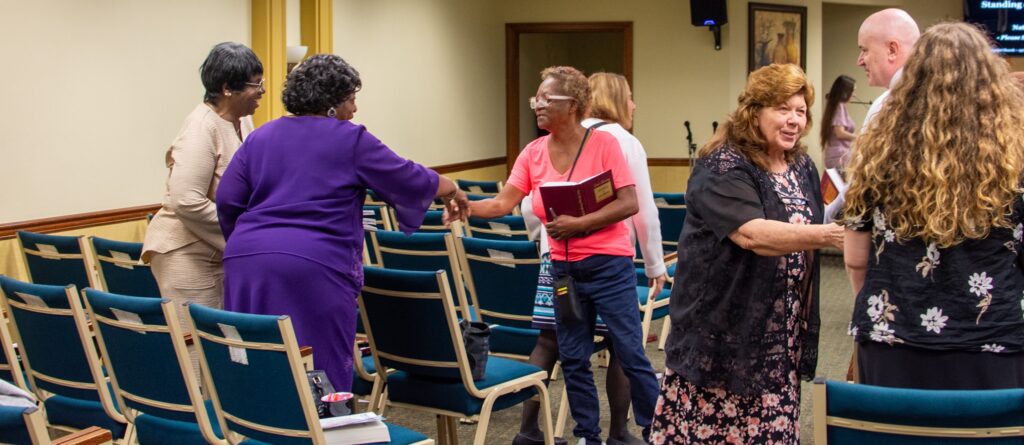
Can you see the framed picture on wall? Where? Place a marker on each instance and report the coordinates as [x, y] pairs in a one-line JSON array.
[[776, 34]]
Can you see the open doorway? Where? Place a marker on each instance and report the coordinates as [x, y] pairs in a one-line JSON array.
[[530, 47]]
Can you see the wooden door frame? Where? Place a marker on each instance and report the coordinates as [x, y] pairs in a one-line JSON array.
[[512, 33]]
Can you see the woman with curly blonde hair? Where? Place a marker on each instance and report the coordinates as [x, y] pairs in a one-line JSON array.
[[934, 211]]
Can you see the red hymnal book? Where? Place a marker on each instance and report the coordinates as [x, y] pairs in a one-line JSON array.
[[578, 198]]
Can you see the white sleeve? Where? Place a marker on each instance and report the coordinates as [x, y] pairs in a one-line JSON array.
[[645, 223]]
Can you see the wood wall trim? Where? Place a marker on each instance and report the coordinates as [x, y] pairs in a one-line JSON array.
[[103, 217], [469, 165], [668, 162], [68, 222]]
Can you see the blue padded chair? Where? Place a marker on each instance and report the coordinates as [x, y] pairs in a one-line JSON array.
[[433, 221], [425, 252], [505, 228], [847, 413], [501, 277], [670, 198], [375, 217], [372, 198], [671, 217], [257, 383], [120, 269], [54, 259], [23, 426], [146, 355], [60, 358], [413, 330], [480, 187]]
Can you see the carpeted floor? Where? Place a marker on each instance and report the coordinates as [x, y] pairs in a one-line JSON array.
[[834, 355]]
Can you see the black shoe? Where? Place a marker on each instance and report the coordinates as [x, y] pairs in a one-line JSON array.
[[628, 440], [522, 439]]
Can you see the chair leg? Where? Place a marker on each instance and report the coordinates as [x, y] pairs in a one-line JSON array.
[[453, 430], [563, 413], [129, 435], [442, 430], [545, 413], [382, 402], [665, 326], [485, 417], [554, 371]]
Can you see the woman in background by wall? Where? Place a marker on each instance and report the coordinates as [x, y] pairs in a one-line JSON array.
[[184, 243], [837, 130]]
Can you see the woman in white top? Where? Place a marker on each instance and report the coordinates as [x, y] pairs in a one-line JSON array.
[[611, 101]]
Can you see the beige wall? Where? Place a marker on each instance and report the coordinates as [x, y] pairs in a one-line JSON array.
[[93, 92]]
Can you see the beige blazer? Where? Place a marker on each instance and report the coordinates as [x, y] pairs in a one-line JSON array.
[[195, 161]]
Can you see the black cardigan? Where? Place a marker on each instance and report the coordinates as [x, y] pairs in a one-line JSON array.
[[723, 294]]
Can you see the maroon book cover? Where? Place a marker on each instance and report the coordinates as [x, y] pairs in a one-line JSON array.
[[578, 198]]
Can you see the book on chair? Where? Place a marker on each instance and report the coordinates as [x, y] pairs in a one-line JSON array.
[[355, 429], [578, 198]]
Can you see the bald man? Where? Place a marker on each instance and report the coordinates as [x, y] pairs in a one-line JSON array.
[[886, 39]]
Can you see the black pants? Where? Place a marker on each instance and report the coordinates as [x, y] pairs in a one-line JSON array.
[[910, 367]]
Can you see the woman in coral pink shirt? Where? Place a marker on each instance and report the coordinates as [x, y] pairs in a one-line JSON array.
[[599, 257]]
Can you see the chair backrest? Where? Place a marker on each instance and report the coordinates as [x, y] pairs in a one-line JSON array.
[[143, 347], [120, 269], [58, 353], [372, 198], [425, 252], [671, 217], [432, 345], [54, 259], [502, 279], [375, 217], [257, 383], [480, 187], [668, 199], [506, 228], [846, 413]]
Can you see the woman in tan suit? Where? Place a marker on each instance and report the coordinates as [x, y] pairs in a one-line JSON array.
[[184, 242]]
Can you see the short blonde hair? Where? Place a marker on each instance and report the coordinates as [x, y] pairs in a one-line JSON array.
[[608, 98], [767, 87], [572, 83]]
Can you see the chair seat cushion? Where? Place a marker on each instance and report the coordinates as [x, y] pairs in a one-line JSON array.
[[360, 386], [81, 414], [12, 425], [659, 313], [451, 395], [162, 431], [399, 436], [510, 340]]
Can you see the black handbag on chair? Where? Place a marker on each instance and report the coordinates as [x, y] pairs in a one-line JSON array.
[[321, 386], [477, 338]]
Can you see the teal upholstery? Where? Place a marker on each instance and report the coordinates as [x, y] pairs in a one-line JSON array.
[[479, 187], [920, 408], [135, 279], [144, 364], [399, 436], [45, 323], [360, 386], [430, 253], [373, 198], [408, 316], [484, 228], [266, 390], [671, 219], [13, 429], [433, 222], [450, 394], [53, 270]]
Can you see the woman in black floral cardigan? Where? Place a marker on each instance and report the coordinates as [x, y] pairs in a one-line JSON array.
[[935, 217], [744, 308]]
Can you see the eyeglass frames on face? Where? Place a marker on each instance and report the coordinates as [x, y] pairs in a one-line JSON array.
[[538, 102], [257, 85]]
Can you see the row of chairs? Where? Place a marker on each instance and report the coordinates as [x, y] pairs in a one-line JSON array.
[[87, 261], [122, 363]]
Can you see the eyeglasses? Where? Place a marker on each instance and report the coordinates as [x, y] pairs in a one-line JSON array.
[[257, 85], [538, 102]]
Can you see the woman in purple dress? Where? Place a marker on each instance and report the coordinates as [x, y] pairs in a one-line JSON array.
[[290, 207]]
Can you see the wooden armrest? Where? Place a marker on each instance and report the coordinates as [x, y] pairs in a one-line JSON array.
[[93, 435], [305, 351], [671, 257]]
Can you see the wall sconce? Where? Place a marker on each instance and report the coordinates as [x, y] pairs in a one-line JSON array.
[[295, 54]]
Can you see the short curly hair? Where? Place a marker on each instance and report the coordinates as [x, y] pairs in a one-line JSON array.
[[231, 64], [572, 83], [321, 82]]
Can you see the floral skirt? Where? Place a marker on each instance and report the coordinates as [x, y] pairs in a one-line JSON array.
[[689, 414]]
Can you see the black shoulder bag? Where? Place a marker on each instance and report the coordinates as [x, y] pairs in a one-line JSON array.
[[570, 310]]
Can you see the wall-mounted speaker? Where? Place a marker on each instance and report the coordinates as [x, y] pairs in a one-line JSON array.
[[708, 13]]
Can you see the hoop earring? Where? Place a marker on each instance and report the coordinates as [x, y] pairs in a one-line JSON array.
[[331, 112]]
